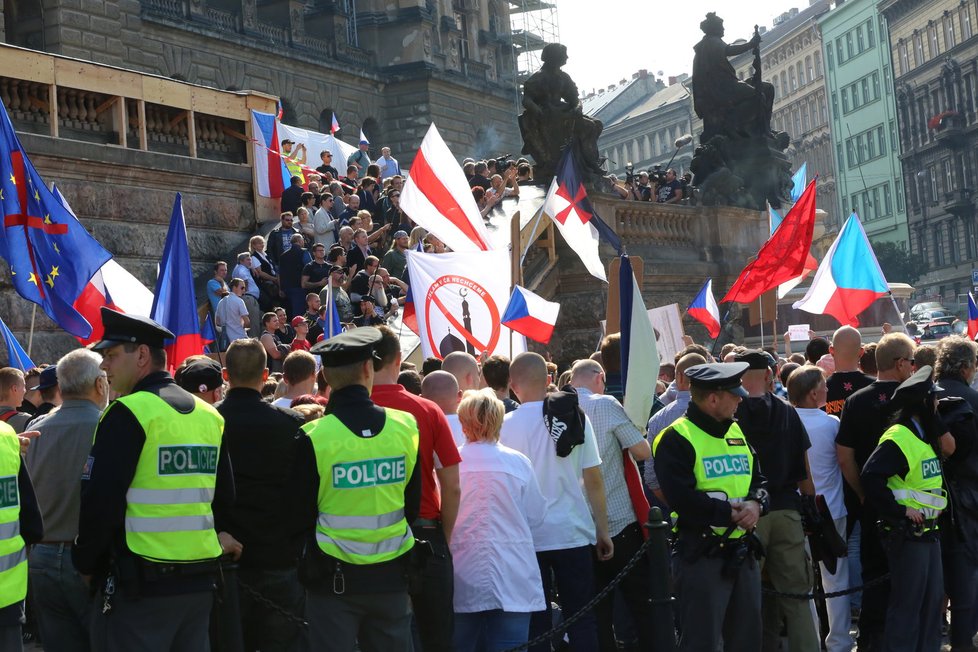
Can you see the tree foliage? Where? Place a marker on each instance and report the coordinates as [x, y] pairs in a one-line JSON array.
[[898, 264]]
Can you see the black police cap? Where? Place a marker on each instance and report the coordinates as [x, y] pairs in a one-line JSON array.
[[121, 328], [756, 359], [914, 389], [348, 347], [719, 376], [200, 375]]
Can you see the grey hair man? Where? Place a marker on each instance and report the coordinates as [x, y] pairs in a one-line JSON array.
[[55, 461]]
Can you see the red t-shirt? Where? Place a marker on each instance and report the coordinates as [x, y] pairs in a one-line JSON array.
[[435, 439], [300, 344]]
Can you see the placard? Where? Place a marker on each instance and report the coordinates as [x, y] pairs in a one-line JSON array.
[[798, 332]]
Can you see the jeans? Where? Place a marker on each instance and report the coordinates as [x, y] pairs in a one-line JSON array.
[[60, 597], [490, 631], [573, 571], [839, 614], [262, 628]]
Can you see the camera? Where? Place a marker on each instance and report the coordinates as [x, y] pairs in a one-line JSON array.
[[656, 175], [503, 163]]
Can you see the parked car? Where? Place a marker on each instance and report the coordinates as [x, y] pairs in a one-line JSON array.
[[919, 308], [936, 315], [935, 330]]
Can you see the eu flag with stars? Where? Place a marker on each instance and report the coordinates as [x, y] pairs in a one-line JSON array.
[[51, 255]]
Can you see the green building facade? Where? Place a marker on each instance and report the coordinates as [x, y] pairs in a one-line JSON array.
[[863, 119]]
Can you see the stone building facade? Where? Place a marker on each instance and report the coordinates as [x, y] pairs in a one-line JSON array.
[[935, 65], [390, 68], [859, 79], [791, 60]]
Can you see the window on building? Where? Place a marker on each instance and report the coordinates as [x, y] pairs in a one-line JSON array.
[[810, 71], [845, 100], [777, 86], [860, 40], [801, 75], [784, 83], [898, 191], [964, 14], [850, 47], [796, 116], [822, 119], [948, 170], [867, 97], [918, 49], [792, 81], [841, 56], [949, 41], [875, 81], [904, 54], [887, 207], [887, 83], [842, 163], [932, 42], [835, 106], [805, 122], [352, 34], [828, 57], [870, 34], [818, 65], [851, 157], [881, 140]]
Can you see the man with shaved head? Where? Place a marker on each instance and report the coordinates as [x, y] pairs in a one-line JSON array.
[[465, 369], [441, 388], [569, 474], [847, 379], [615, 433]]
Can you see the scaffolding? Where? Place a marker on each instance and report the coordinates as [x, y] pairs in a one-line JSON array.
[[533, 24]]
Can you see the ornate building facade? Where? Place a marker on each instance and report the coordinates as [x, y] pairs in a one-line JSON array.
[[935, 64], [791, 60], [389, 68]]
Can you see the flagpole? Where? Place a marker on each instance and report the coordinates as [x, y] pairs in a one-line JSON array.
[[30, 336], [896, 308], [760, 314]]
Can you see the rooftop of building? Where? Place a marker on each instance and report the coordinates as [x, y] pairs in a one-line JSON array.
[[668, 95]]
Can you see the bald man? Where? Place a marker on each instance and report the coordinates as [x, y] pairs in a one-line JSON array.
[[441, 388], [847, 379], [615, 433], [563, 541], [465, 368]]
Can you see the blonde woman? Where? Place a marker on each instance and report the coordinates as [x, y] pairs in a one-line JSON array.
[[497, 579], [418, 234]]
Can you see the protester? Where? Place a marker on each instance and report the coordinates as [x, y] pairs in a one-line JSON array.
[[60, 596], [299, 375], [495, 371], [232, 314], [47, 386], [216, 287], [12, 391], [442, 389], [202, 377], [497, 579]]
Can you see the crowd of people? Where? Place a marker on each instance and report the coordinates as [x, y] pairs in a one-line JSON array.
[[455, 506], [658, 186]]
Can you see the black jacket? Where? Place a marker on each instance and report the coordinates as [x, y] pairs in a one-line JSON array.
[[261, 441]]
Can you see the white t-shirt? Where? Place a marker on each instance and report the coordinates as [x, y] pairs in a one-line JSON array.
[[230, 310], [568, 523], [822, 459], [456, 427], [492, 543]]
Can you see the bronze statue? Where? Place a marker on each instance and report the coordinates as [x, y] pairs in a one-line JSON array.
[[553, 119], [740, 161]]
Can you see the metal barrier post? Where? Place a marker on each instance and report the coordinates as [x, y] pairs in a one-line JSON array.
[[660, 584]]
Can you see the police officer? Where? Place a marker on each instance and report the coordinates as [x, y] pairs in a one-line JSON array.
[[153, 488], [363, 491], [20, 526], [904, 484], [709, 477]]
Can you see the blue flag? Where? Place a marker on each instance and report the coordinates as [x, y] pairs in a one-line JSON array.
[[174, 301], [16, 355], [800, 181], [774, 217], [51, 255]]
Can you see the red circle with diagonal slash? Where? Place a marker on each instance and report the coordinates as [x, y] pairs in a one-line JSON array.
[[477, 292]]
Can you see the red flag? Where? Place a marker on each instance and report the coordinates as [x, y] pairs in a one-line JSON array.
[[783, 256]]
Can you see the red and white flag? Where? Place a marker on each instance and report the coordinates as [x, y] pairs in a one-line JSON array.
[[437, 197]]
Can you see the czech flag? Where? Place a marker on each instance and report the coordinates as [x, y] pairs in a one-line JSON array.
[[972, 317], [704, 309], [531, 315], [849, 279], [335, 125], [175, 304], [270, 171]]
